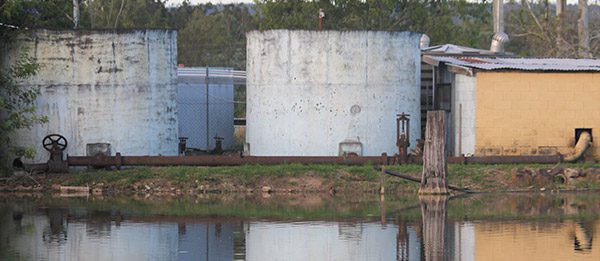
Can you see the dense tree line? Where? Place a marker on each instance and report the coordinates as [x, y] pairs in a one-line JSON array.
[[214, 35]]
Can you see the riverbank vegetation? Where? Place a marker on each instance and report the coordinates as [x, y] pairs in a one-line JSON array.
[[300, 178]]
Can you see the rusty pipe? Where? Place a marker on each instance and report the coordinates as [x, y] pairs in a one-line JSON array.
[[119, 160]]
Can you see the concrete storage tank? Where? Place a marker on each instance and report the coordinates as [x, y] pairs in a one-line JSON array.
[[326, 93], [116, 87]]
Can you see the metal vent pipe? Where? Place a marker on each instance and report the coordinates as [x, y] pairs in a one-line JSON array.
[[498, 41], [424, 42], [498, 13]]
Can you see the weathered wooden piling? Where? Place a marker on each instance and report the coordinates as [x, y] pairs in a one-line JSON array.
[[435, 167]]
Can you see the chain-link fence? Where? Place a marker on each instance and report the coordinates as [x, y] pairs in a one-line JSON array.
[[206, 104]]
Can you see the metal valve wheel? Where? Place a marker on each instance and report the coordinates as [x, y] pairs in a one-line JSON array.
[[54, 142]]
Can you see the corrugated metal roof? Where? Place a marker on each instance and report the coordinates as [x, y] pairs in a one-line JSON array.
[[450, 49], [525, 64]]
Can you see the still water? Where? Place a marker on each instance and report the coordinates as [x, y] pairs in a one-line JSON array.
[[302, 227]]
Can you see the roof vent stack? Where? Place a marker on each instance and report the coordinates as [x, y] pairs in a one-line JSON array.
[[498, 41], [498, 15], [424, 42]]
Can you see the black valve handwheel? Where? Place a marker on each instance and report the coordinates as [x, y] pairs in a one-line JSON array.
[[54, 141]]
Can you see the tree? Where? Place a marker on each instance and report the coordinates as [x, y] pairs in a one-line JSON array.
[[126, 13], [534, 29], [216, 36], [17, 102], [35, 14]]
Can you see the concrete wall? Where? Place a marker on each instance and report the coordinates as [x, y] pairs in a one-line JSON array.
[[105, 86], [463, 114], [528, 113], [307, 91]]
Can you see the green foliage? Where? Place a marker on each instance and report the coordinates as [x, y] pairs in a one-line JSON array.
[[216, 38], [125, 14], [458, 22], [36, 14], [17, 102]]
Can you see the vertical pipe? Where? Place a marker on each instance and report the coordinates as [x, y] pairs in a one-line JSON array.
[[398, 135], [498, 16], [433, 78], [207, 115], [407, 133], [460, 124]]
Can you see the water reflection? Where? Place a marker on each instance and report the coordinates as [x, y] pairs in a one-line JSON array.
[[521, 227]]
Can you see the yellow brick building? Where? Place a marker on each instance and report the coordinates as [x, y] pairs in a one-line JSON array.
[[520, 106]]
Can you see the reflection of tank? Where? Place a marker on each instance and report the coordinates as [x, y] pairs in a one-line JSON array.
[[129, 241], [320, 241]]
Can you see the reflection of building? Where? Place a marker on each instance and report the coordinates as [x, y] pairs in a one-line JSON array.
[[53, 236], [536, 241], [408, 242], [205, 242]]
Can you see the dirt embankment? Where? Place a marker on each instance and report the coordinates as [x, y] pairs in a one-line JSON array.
[[163, 181]]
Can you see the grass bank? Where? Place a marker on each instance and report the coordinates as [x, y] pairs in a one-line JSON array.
[[296, 178]]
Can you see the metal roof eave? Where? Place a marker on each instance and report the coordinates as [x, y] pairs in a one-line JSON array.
[[461, 70], [430, 60]]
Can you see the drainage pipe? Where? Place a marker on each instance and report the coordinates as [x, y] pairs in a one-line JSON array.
[[583, 144]]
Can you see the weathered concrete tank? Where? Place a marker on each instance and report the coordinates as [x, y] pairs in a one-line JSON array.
[[327, 93], [116, 87]]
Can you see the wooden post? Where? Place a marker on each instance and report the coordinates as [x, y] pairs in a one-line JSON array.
[[382, 181], [434, 179], [384, 162], [434, 213]]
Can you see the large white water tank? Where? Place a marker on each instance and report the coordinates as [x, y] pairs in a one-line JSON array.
[[323, 93], [116, 87]]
